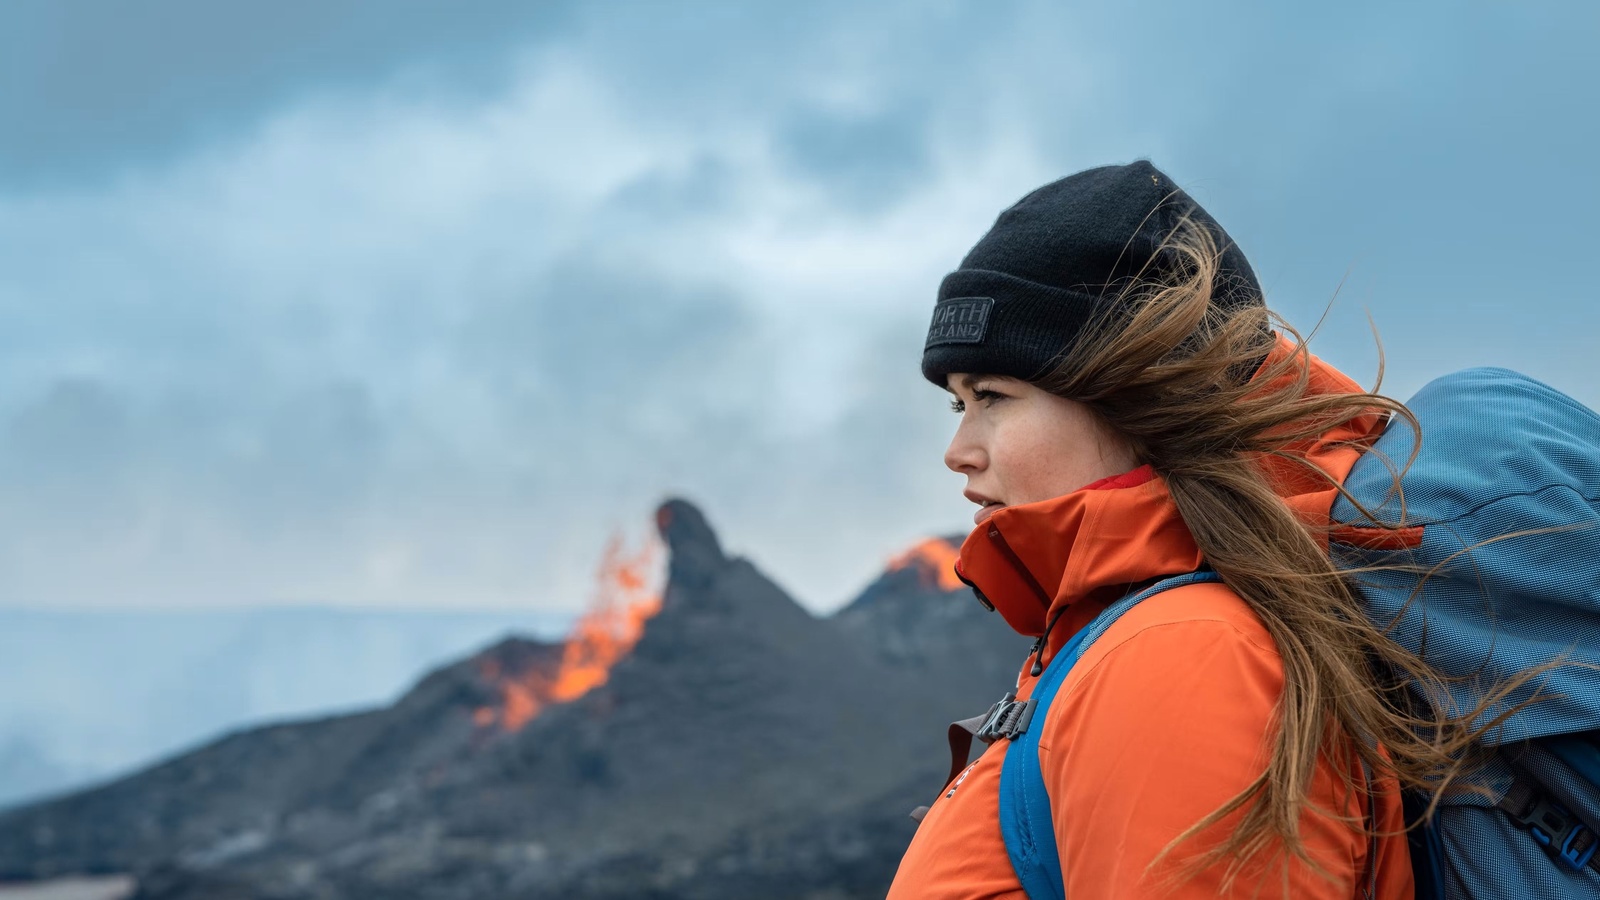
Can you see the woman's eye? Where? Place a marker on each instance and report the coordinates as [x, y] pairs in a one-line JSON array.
[[979, 396]]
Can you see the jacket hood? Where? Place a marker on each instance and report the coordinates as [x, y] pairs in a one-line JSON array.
[[1071, 556]]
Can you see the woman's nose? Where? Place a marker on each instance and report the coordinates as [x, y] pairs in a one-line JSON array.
[[965, 454]]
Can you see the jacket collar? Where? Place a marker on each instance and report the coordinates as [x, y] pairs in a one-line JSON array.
[[1069, 557]]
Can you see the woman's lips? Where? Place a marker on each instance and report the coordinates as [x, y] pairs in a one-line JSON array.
[[984, 512]]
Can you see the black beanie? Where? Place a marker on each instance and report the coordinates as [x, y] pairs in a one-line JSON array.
[[1058, 258]]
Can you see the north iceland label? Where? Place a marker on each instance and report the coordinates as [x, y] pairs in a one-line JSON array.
[[960, 320]]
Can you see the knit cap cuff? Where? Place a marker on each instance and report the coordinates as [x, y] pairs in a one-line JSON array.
[[992, 323]]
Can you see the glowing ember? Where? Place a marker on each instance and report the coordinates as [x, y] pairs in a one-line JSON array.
[[624, 601], [935, 560]]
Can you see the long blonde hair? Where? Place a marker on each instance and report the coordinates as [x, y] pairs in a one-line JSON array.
[[1170, 371]]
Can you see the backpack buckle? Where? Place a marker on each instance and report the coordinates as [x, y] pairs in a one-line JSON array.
[[1579, 849], [1562, 835], [1007, 718]]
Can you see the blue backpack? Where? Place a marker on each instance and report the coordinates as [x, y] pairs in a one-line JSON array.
[[1502, 454]]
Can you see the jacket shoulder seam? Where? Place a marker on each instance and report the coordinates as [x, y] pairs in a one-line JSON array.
[[1072, 687], [1123, 624]]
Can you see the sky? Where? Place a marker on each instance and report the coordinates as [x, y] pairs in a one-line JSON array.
[[414, 304]]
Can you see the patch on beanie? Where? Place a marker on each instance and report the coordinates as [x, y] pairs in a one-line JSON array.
[[959, 320]]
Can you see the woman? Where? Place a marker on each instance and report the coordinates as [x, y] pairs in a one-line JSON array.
[[1127, 414]]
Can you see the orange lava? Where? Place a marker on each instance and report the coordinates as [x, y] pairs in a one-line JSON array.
[[615, 621], [935, 560]]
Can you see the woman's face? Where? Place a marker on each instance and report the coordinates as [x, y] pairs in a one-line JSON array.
[[1018, 444]]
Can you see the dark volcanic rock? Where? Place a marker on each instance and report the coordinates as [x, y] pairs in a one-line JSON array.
[[249, 789], [743, 748], [945, 637]]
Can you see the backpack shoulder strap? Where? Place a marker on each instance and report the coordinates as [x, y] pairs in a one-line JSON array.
[[1025, 820]]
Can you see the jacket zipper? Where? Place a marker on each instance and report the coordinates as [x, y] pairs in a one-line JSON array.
[[1037, 649]]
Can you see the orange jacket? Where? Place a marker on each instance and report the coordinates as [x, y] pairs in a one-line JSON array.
[[1163, 720]]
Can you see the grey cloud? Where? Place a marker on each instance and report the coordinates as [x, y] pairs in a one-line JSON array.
[[596, 327], [704, 188], [867, 160], [428, 341], [100, 85], [76, 431]]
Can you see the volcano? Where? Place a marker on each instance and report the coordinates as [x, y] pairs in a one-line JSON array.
[[711, 741]]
